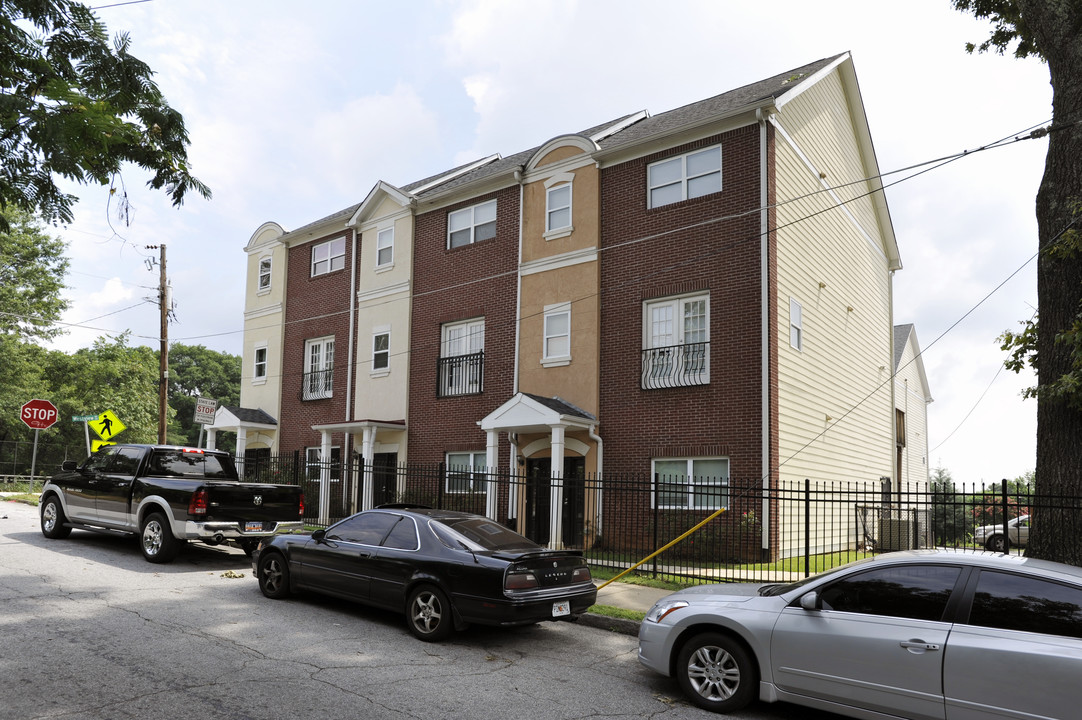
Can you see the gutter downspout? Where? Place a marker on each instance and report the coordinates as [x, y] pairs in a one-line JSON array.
[[764, 302], [598, 517], [347, 450], [512, 490]]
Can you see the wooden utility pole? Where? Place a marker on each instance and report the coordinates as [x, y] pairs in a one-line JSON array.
[[163, 356]]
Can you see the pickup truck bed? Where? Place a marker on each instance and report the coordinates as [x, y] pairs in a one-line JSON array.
[[166, 495]]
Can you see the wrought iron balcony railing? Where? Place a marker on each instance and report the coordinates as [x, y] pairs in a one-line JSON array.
[[676, 366], [317, 385], [460, 375]]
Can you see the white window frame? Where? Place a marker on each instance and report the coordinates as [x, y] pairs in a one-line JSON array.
[[328, 257], [377, 352], [666, 470], [686, 180], [318, 363], [553, 206], [467, 220], [266, 264], [550, 356], [312, 462], [259, 368], [796, 325], [655, 335], [385, 242], [464, 337], [474, 481]]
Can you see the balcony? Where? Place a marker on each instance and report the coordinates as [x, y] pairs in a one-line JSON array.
[[317, 385], [460, 375], [676, 366]]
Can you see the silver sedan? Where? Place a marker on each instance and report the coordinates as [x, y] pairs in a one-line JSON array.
[[919, 634]]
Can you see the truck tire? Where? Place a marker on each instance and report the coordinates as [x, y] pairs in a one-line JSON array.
[[53, 519], [156, 539]]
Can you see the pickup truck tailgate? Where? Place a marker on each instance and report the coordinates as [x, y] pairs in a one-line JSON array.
[[250, 502]]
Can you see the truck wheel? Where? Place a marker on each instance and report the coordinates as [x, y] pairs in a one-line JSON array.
[[273, 574], [52, 519], [156, 539]]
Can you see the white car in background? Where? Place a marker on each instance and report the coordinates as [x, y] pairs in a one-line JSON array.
[[990, 537]]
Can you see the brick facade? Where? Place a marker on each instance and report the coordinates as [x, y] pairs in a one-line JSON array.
[[449, 285], [711, 244], [315, 307]]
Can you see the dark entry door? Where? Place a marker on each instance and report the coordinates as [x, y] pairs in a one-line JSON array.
[[384, 478], [539, 500]]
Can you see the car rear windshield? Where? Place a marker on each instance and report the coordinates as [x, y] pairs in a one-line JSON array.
[[179, 463], [481, 534]]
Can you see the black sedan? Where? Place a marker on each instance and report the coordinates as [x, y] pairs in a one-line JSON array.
[[444, 569]]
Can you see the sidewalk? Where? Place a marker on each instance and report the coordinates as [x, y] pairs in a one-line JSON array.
[[626, 597]]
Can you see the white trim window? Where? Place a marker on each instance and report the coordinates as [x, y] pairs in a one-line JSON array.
[[259, 366], [313, 463], [556, 348], [558, 208], [318, 368], [385, 247], [461, 363], [796, 324], [691, 483], [684, 177], [676, 342], [328, 256], [381, 349], [264, 274], [466, 472], [471, 225]]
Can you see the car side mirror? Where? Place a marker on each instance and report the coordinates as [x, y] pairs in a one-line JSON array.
[[69, 466], [810, 601], [319, 535]]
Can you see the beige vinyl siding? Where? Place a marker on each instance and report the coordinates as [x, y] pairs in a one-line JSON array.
[[910, 397], [835, 406]]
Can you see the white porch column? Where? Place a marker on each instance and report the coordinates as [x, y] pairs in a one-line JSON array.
[[556, 510], [492, 460], [211, 437], [242, 442], [368, 457], [325, 477]]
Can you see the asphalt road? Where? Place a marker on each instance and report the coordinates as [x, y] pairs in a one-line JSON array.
[[89, 630]]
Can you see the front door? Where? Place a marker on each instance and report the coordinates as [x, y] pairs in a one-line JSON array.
[[539, 500], [384, 478]]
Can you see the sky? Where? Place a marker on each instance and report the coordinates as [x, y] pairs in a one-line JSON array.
[[296, 110]]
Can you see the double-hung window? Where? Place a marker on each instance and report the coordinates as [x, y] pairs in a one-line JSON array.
[[462, 358], [385, 247], [264, 273], [381, 349], [471, 225], [314, 462], [557, 341], [466, 472], [329, 256], [558, 208], [691, 483], [318, 369], [796, 325], [684, 177], [259, 369], [676, 337]]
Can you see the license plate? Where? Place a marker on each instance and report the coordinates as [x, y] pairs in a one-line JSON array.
[[253, 527], [559, 609]]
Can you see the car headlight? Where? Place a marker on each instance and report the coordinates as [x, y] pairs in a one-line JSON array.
[[663, 608]]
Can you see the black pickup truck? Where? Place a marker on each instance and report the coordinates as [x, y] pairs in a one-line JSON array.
[[166, 495]]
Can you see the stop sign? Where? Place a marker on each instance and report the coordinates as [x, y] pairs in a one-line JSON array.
[[39, 414]]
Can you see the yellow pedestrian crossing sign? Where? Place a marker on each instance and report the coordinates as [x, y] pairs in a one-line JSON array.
[[107, 426]]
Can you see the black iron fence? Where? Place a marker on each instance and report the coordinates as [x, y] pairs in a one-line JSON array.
[[17, 457], [710, 529]]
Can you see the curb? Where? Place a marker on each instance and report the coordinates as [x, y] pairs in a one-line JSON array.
[[604, 622]]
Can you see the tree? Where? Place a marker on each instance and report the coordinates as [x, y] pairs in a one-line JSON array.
[[74, 105], [195, 372], [32, 269], [1049, 30]]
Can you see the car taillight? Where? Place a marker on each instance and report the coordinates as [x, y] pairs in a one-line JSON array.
[[520, 581], [581, 574], [302, 507], [198, 504]]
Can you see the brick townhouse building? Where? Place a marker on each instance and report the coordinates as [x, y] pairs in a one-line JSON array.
[[699, 295]]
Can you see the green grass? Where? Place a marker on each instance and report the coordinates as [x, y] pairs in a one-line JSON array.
[[619, 613]]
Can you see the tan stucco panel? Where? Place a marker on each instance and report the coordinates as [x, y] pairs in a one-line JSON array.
[[585, 217], [558, 155]]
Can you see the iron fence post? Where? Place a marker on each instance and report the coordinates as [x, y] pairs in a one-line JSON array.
[[807, 527]]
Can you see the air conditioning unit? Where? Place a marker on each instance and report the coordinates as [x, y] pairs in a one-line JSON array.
[[897, 534]]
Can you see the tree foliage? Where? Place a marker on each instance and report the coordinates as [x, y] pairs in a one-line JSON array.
[[74, 105], [195, 372], [1052, 31], [32, 269]]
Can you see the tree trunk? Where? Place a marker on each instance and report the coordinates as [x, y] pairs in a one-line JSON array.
[[1056, 534]]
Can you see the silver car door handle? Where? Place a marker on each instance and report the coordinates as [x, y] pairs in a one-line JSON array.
[[918, 645]]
